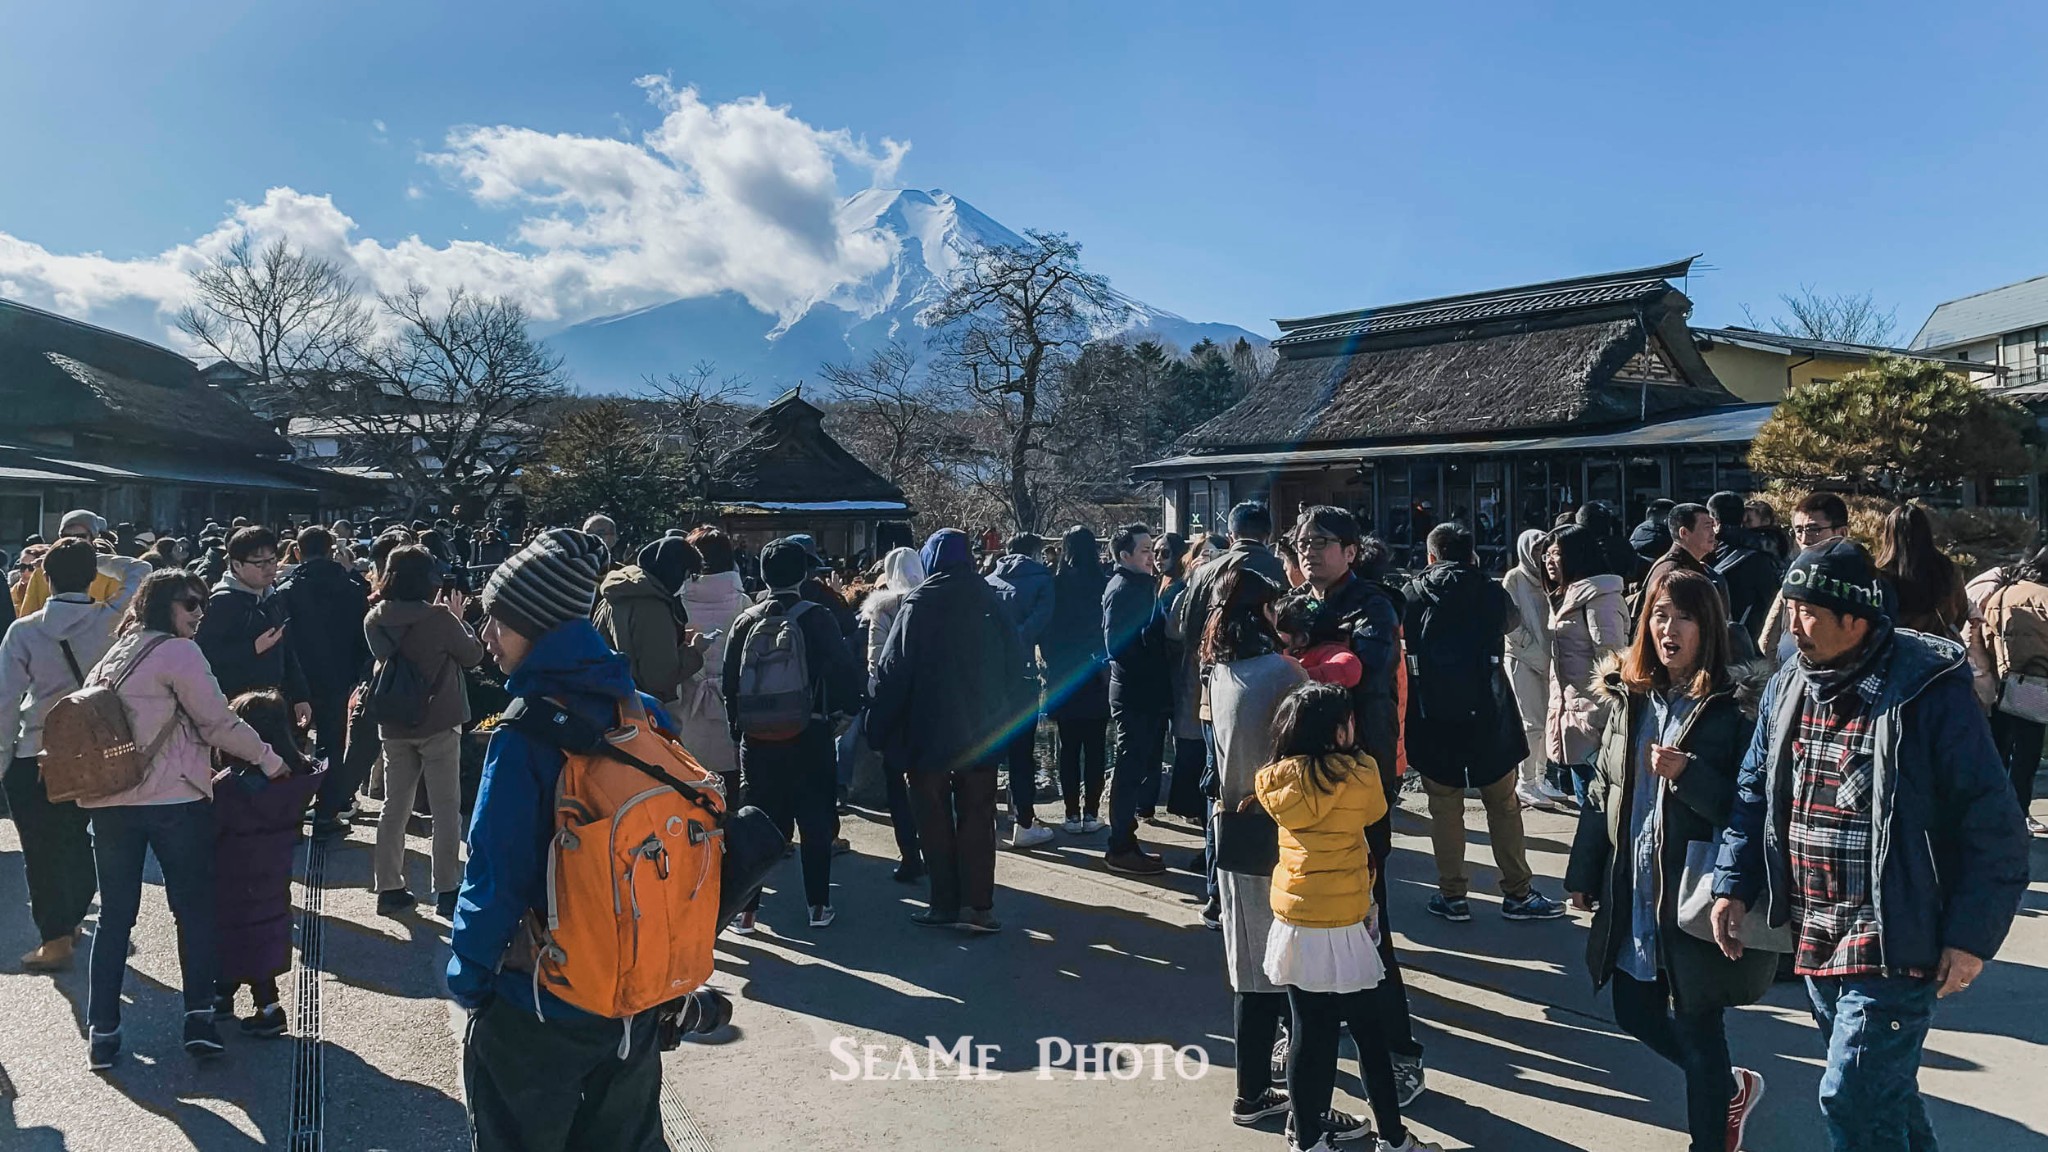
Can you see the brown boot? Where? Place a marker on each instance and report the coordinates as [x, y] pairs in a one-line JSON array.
[[53, 956]]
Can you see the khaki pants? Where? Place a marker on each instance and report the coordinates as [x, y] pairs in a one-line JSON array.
[[1503, 827], [437, 759]]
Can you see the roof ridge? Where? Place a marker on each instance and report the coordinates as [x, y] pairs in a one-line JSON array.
[[75, 322], [1986, 292], [1664, 271]]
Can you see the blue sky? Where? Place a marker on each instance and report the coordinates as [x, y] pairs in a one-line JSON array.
[[1227, 161]]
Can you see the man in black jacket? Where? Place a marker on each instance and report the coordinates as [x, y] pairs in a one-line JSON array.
[[245, 632], [1463, 730], [946, 691], [1140, 696], [793, 780], [1751, 574], [326, 604], [1652, 538]]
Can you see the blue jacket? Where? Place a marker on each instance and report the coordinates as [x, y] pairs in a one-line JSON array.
[[1949, 845], [1134, 634], [508, 835], [1026, 588]]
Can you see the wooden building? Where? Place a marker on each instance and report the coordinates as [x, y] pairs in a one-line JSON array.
[[1497, 409], [788, 475]]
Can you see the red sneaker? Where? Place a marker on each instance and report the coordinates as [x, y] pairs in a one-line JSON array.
[[1749, 1088]]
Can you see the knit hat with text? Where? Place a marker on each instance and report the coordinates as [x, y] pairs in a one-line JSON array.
[[550, 581], [1840, 577]]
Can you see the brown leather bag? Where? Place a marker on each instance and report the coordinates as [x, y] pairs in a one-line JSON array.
[[89, 747]]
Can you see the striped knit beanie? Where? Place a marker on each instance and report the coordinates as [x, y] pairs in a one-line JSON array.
[[550, 581]]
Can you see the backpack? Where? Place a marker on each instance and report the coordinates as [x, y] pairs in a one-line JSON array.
[[1452, 659], [398, 692], [633, 868], [89, 747], [775, 699]]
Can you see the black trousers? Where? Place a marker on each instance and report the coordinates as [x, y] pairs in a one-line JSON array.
[[1392, 991], [1695, 1041], [1184, 787], [956, 823], [262, 991], [56, 851], [902, 812], [561, 1086], [1083, 747], [2019, 743], [1022, 757], [796, 782], [1257, 1017], [330, 742], [1134, 784], [1312, 1061]]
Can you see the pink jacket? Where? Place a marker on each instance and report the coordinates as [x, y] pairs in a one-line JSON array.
[[175, 684]]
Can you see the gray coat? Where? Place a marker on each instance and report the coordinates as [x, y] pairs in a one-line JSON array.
[[33, 672]]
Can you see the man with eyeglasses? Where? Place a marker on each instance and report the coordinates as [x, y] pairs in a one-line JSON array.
[[1819, 520], [244, 633]]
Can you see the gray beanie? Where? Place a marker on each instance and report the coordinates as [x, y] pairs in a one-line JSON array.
[[550, 581]]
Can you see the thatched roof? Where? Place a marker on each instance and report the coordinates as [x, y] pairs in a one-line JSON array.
[[787, 457], [60, 374], [1589, 351]]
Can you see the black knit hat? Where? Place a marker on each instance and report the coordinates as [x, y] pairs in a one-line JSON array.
[[1840, 577], [550, 581], [785, 563]]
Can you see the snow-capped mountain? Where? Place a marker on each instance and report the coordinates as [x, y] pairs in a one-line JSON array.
[[934, 234]]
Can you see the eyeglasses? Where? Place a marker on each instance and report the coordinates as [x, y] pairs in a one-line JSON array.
[[260, 561], [1814, 531], [1318, 543]]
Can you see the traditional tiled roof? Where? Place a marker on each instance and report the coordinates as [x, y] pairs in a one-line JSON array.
[[788, 457]]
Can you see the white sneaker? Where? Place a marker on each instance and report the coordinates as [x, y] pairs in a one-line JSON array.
[[822, 915], [743, 924], [1022, 837], [1415, 1144], [1537, 796]]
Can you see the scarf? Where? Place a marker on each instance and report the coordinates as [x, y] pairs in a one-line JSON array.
[[1826, 684]]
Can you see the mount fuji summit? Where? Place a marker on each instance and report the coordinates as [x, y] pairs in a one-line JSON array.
[[934, 233]]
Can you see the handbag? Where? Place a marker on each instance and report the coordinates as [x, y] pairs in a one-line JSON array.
[[1247, 842], [1696, 905], [2024, 697]]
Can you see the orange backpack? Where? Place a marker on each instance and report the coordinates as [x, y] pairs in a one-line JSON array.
[[633, 867]]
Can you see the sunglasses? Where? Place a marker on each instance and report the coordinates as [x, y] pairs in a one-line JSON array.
[[191, 603], [1815, 531]]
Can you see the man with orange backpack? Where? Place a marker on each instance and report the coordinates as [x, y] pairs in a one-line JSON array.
[[555, 934]]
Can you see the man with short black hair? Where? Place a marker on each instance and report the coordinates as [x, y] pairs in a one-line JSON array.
[[1750, 573], [1652, 538], [1140, 696], [245, 632], [1820, 519], [326, 602], [1694, 536]]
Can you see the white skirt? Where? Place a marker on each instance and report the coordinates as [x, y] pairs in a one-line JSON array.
[[1325, 959]]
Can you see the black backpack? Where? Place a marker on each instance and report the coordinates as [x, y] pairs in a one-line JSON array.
[[398, 692], [1452, 659]]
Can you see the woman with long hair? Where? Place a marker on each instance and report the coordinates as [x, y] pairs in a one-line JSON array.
[[902, 572], [1663, 786], [2013, 635], [1323, 946], [1077, 677], [1928, 590], [1588, 620], [179, 718], [1248, 677]]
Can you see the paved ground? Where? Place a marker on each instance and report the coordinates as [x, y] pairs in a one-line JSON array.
[[1522, 1055]]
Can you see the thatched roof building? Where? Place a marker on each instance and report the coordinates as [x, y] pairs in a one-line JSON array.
[[1496, 408], [789, 475]]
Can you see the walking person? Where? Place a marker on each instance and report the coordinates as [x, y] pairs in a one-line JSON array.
[[945, 685], [1588, 621], [1140, 696], [258, 820], [1663, 787], [1077, 679], [44, 657], [2014, 633], [174, 703], [1927, 589], [784, 712], [1323, 793], [1873, 816], [1463, 730], [1528, 666], [1024, 584], [416, 621], [711, 599], [1248, 677], [326, 602], [902, 572]]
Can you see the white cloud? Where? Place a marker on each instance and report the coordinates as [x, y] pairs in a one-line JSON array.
[[378, 125], [740, 196]]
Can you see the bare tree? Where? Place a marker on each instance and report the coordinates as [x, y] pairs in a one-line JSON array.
[[279, 312], [451, 400], [897, 414], [1848, 317], [1012, 317], [701, 415]]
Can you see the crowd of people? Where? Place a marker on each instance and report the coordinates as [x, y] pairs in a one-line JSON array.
[[1782, 751]]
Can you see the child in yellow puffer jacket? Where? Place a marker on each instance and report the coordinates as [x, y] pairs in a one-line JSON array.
[[1323, 947]]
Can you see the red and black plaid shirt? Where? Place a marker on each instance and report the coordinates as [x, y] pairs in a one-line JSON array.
[[1833, 757]]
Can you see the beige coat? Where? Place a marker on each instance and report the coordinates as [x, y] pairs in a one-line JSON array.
[[1590, 621]]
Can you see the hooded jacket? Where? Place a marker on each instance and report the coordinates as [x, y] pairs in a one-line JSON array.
[[712, 600], [235, 616], [1462, 727], [327, 603], [643, 621], [1529, 642], [1324, 879], [440, 647], [115, 582], [1075, 687], [945, 690], [33, 672], [1949, 848], [506, 875], [1752, 576], [1588, 623], [1025, 586]]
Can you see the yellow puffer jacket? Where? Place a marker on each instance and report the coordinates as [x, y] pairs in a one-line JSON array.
[[1324, 879]]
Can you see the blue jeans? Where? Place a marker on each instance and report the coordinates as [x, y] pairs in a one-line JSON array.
[[182, 837], [1134, 782], [1870, 1093]]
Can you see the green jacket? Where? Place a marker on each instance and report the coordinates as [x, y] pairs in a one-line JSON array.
[[643, 622]]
